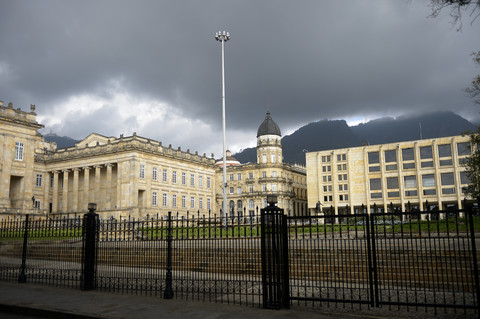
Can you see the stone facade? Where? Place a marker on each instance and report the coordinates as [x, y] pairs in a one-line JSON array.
[[410, 174], [249, 184], [131, 176]]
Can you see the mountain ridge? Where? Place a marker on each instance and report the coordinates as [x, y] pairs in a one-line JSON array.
[[335, 134]]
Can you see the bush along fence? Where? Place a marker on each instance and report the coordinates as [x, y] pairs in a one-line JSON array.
[[401, 260]]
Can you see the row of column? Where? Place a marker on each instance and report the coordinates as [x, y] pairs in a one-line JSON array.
[[79, 203]]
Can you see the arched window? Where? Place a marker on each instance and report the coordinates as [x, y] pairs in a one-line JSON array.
[[251, 204]]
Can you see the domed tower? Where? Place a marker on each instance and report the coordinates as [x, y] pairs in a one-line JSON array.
[[269, 145]]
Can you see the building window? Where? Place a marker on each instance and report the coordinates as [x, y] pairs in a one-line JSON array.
[[273, 158], [345, 187], [444, 150], [209, 203], [264, 159], [239, 176], [208, 182], [463, 149], [154, 174], [274, 174], [250, 175], [231, 177], [264, 187], [428, 180], [250, 188], [274, 187], [200, 181], [264, 174], [409, 165], [165, 198], [447, 179], [200, 203], [164, 175], [51, 180], [392, 182], [37, 204], [192, 180], [142, 171], [251, 204], [174, 177], [446, 162], [408, 154], [19, 151], [373, 158], [411, 193], [465, 178], [231, 190], [426, 164], [184, 201], [426, 152], [174, 200], [373, 169], [390, 156], [154, 198], [239, 190], [38, 182], [184, 179], [375, 184], [410, 181], [345, 177], [192, 202]]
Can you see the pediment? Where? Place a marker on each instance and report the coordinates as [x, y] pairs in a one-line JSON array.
[[94, 139]]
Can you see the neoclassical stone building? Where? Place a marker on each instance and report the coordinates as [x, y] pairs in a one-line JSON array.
[[250, 183], [132, 176]]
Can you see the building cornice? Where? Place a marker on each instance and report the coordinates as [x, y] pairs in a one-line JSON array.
[[121, 145]]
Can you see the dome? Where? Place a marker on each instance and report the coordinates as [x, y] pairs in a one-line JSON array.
[[231, 161], [268, 127]]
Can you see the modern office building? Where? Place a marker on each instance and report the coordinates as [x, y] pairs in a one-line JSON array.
[[405, 175]]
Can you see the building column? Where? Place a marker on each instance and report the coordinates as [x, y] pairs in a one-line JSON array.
[[75, 190], [97, 185], [108, 190], [46, 188], [86, 187], [65, 191], [55, 193]]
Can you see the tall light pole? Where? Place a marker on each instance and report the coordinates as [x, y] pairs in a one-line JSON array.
[[224, 37]]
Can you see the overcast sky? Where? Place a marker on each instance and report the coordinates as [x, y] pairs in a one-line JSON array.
[[153, 67]]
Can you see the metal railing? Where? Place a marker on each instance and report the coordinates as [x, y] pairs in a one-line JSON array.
[[411, 260]]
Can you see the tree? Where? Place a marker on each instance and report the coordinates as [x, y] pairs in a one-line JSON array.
[[456, 8], [474, 89], [473, 162], [472, 166]]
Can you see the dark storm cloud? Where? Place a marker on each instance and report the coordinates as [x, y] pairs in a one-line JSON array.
[[303, 60]]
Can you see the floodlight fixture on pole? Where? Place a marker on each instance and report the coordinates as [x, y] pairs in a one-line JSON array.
[[223, 37]]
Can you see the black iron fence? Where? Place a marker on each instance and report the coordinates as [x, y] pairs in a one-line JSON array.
[[402, 260]]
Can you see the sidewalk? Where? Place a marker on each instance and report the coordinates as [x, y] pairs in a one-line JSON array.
[[50, 302]]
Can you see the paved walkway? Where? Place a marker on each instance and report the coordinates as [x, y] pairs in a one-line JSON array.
[[51, 302]]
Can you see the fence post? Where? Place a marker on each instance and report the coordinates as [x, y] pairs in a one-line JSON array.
[[90, 238], [22, 278], [168, 293]]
